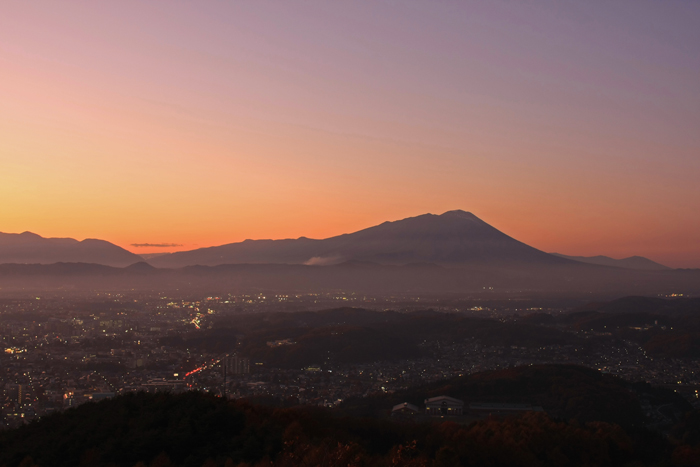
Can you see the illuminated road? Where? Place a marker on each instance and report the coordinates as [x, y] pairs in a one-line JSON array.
[[206, 366]]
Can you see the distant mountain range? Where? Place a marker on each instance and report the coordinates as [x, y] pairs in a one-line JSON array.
[[454, 252], [455, 239], [29, 248], [633, 262], [572, 279]]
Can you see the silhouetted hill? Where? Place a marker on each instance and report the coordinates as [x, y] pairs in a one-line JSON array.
[[453, 238], [196, 430], [141, 266], [356, 336], [649, 305], [667, 328], [570, 279], [564, 391], [29, 248], [633, 262]]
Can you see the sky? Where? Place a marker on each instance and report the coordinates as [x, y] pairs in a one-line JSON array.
[[571, 126]]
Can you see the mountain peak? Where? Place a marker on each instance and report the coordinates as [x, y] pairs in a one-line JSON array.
[[459, 213], [29, 234], [452, 238]]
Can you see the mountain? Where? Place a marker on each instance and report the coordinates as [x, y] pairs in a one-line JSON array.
[[453, 238], [633, 262], [30, 248], [454, 252]]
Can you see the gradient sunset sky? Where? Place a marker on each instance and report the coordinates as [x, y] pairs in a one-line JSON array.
[[571, 126]]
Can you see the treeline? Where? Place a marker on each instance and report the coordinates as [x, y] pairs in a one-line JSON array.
[[194, 429]]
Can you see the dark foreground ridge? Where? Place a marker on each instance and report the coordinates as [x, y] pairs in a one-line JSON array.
[[195, 429]]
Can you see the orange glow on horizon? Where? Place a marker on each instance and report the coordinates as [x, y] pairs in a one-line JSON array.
[[125, 123]]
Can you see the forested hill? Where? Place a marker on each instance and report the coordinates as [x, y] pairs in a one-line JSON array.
[[663, 328], [564, 391], [354, 336], [194, 429]]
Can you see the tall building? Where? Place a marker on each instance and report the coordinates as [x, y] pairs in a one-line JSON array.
[[236, 365], [15, 392], [444, 405]]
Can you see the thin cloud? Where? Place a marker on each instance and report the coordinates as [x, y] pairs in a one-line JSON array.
[[156, 245], [323, 260]]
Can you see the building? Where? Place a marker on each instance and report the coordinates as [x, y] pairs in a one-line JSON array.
[[16, 393], [444, 406], [405, 410], [235, 365]]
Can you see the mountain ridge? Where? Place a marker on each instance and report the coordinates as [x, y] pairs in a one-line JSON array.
[[30, 248], [572, 279], [633, 262], [454, 237]]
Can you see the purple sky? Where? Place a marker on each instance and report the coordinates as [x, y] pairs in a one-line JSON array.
[[572, 126]]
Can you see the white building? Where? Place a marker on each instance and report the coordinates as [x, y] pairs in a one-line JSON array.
[[444, 405], [405, 409]]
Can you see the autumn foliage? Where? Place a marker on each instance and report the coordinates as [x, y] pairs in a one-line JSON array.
[[194, 429]]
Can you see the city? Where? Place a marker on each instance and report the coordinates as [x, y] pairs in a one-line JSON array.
[[61, 353]]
